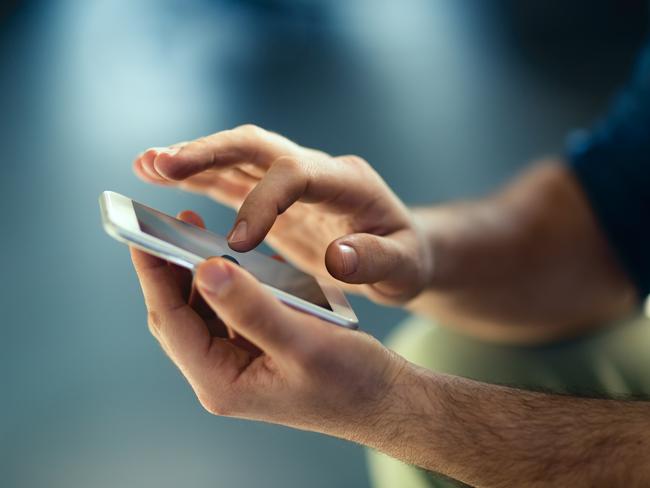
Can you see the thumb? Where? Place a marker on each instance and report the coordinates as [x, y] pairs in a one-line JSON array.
[[388, 263], [243, 304]]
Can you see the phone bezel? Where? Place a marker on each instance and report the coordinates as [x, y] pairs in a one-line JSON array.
[[120, 222]]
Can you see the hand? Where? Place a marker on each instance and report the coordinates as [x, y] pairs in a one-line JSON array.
[[282, 366], [301, 372], [331, 216]]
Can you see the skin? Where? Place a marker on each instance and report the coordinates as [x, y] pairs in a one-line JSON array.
[[272, 363], [526, 265], [306, 204]]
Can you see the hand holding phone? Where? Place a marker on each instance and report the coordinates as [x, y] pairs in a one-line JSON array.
[[305, 373], [188, 246]]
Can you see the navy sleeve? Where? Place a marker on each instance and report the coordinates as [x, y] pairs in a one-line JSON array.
[[612, 163]]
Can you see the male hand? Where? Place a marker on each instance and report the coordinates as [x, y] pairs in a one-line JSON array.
[[279, 365], [276, 364], [331, 216]]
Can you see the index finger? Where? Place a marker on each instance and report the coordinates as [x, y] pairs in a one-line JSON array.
[[246, 143]]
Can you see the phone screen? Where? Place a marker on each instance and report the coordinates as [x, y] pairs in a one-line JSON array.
[[205, 244]]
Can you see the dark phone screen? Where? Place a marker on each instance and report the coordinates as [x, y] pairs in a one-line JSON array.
[[205, 244]]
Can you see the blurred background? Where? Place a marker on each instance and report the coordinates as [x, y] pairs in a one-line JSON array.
[[446, 98]]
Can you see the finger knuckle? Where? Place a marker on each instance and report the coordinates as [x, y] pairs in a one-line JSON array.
[[201, 141], [249, 130], [150, 153], [288, 164], [154, 322], [354, 161], [215, 405]]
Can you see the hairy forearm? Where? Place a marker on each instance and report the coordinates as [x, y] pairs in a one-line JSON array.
[[488, 435], [527, 264]]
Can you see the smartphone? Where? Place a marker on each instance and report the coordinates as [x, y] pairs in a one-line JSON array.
[[187, 245]]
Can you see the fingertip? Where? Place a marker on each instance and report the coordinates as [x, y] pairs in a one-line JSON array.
[[138, 169], [341, 260], [240, 246], [214, 276], [145, 165], [168, 165], [191, 218], [349, 258], [244, 305], [243, 246], [372, 260], [240, 238]]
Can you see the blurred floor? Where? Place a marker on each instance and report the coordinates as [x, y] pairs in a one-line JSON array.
[[446, 99]]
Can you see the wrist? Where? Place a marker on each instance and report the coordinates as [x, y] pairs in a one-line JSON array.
[[402, 421]]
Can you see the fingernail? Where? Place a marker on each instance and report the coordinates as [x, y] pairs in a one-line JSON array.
[[213, 277], [164, 149], [148, 168], [172, 151], [238, 234], [350, 259]]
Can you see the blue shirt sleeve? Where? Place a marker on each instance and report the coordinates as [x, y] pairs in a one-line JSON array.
[[612, 163]]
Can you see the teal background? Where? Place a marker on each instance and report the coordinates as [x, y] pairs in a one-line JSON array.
[[447, 99]]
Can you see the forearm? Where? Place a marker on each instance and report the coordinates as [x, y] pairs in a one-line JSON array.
[[489, 435], [525, 264]]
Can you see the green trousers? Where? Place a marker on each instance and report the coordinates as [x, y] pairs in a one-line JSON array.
[[615, 360]]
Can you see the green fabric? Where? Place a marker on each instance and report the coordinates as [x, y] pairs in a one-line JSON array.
[[613, 361]]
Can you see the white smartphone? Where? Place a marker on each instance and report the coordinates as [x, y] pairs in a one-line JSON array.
[[187, 245]]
